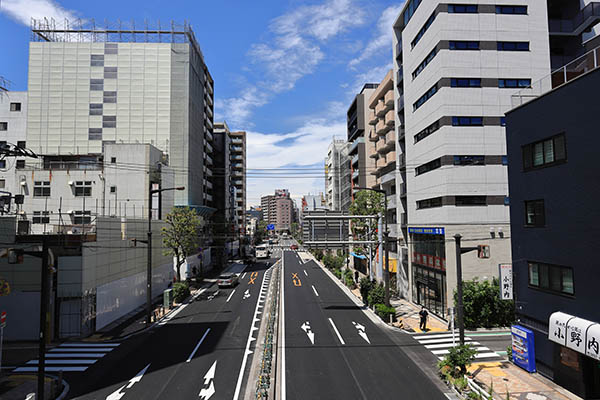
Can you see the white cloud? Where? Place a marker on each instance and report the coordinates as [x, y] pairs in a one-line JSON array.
[[293, 52], [24, 10], [383, 38], [372, 75]]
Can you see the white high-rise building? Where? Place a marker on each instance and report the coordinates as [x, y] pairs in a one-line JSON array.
[[338, 191], [456, 64], [13, 120]]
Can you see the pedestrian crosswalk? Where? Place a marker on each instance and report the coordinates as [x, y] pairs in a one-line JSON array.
[[71, 357], [441, 343]]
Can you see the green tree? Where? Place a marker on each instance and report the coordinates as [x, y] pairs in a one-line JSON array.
[[181, 236], [458, 359], [366, 202], [483, 306], [295, 230], [261, 232]]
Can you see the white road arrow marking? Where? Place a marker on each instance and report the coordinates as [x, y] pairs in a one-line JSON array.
[[361, 331], [306, 328], [315, 290], [119, 393], [246, 294], [206, 393], [305, 273]]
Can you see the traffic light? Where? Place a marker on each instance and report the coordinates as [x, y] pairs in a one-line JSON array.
[[483, 251]]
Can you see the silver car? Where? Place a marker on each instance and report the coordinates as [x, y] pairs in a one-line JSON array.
[[227, 279]]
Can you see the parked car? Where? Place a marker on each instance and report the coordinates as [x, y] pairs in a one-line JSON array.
[[227, 280], [294, 247]]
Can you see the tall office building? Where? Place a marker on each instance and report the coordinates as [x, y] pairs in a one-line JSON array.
[[456, 66], [338, 191], [278, 210], [361, 165], [94, 85], [238, 177]]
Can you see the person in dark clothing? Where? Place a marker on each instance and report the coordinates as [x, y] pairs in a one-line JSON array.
[[423, 314]]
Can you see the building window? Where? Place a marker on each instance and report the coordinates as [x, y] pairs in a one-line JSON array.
[[111, 48], [20, 164], [467, 121], [535, 214], [429, 203], [465, 82], [504, 160], [423, 30], [554, 278], [514, 83], [2, 183], [22, 144], [2, 164], [425, 97], [461, 201], [15, 106], [424, 63], [463, 45], [506, 201], [109, 121], [502, 121], [3, 126], [82, 217], [427, 131], [41, 189], [462, 8], [95, 133], [522, 10], [469, 160], [41, 217], [110, 72], [431, 165], [110, 97], [83, 188], [545, 153], [96, 109], [113, 160], [513, 46], [97, 60], [96, 84], [113, 189]]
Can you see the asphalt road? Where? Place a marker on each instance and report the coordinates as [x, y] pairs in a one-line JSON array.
[[351, 357], [197, 354]]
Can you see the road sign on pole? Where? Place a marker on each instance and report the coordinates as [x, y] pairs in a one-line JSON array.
[[270, 227]]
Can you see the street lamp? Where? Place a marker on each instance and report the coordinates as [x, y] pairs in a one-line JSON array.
[[149, 238], [386, 273]]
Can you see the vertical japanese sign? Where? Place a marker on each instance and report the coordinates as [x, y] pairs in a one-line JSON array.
[[506, 281]]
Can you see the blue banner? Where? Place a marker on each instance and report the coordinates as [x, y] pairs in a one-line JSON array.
[[427, 231]]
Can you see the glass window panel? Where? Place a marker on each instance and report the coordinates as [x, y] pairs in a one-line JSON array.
[[548, 152], [559, 148], [534, 278], [555, 278], [538, 154], [543, 276], [567, 281]]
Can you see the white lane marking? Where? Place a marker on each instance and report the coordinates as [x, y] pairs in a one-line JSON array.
[[197, 346], [243, 275], [51, 369], [174, 313], [247, 352], [361, 331], [306, 328], [206, 393], [65, 362], [440, 340], [336, 331], [89, 345], [283, 381], [305, 273], [444, 335], [118, 394], [314, 290], [74, 355], [446, 351], [445, 345], [79, 349], [229, 298]]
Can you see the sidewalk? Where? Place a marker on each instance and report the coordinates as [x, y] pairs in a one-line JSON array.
[[407, 314]]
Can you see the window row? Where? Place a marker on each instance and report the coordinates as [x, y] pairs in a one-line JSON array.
[[80, 188], [423, 30], [425, 97], [427, 131], [554, 278], [462, 201], [473, 9], [15, 107], [459, 161], [467, 121], [545, 153], [424, 63], [475, 45]]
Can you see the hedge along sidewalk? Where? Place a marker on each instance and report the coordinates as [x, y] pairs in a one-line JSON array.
[[305, 256]]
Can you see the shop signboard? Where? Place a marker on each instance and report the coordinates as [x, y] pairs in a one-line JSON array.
[[577, 334], [576, 330], [523, 349], [557, 327], [427, 231], [592, 342], [506, 282]]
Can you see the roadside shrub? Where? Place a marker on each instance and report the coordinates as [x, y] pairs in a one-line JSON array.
[[349, 279], [509, 352], [458, 359], [338, 273], [365, 287], [376, 295], [384, 312], [181, 290]]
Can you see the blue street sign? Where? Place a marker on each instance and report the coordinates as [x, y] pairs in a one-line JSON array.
[[270, 227], [427, 231]]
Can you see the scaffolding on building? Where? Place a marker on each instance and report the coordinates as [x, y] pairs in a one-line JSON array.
[[86, 31]]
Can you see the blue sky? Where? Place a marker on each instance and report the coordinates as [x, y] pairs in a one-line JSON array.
[[285, 71]]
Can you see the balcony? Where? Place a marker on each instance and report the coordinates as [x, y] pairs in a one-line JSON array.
[[374, 155], [209, 160], [399, 51], [390, 158], [401, 133], [237, 165], [208, 98], [403, 219], [354, 146], [389, 98], [207, 147], [380, 146], [237, 174], [372, 117], [586, 18], [403, 189], [355, 174], [237, 149], [386, 178], [402, 160], [208, 136], [354, 159], [237, 141], [380, 108], [208, 197], [237, 157], [208, 184], [381, 128], [390, 140], [399, 76], [208, 123], [390, 119], [238, 182], [372, 136]]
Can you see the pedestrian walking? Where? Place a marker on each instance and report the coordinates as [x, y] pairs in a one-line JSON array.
[[423, 314]]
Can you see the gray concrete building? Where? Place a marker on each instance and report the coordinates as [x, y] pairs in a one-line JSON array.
[[238, 178], [13, 121], [338, 189]]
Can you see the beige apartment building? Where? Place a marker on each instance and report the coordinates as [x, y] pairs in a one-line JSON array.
[[238, 178]]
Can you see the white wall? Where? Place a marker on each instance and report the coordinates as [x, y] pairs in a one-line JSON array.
[[17, 122]]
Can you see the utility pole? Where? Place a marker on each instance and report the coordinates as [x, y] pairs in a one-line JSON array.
[[149, 258], [43, 320], [460, 315]]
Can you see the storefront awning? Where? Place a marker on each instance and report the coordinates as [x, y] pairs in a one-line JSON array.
[[575, 333], [361, 256]]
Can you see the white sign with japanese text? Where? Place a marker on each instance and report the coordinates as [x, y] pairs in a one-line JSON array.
[[506, 282], [576, 329], [557, 329], [592, 342]]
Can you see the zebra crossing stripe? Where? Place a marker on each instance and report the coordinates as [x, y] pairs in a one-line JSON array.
[[445, 345], [79, 349], [75, 355], [52, 369], [444, 335], [446, 351], [70, 357], [443, 340], [66, 362], [89, 345], [440, 345]]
